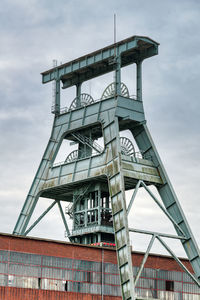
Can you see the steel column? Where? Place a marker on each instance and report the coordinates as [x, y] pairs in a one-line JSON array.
[[139, 80], [78, 94], [120, 221], [118, 75], [64, 220], [41, 176]]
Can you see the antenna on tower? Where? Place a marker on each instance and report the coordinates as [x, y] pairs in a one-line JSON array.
[[53, 107], [114, 44]]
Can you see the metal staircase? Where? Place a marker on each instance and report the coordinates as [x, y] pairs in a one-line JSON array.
[[69, 210], [88, 141]]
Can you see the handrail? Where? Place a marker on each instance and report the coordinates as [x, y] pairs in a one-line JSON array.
[[66, 109], [137, 154]]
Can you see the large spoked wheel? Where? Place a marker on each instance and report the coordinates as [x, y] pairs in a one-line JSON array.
[[127, 147], [83, 100], [110, 91], [72, 156]]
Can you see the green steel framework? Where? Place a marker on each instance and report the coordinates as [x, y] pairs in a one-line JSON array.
[[110, 167]]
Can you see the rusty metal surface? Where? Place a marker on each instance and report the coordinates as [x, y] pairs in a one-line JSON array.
[[62, 176], [118, 201]]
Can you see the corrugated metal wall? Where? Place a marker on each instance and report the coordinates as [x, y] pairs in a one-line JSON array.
[[38, 274]]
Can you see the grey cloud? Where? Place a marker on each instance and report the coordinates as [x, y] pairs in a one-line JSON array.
[[35, 32]]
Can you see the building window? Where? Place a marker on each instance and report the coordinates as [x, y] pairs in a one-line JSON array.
[[66, 286], [169, 285], [88, 277], [78, 286], [39, 283], [10, 280]]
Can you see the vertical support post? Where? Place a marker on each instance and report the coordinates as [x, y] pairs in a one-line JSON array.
[[139, 80], [57, 103], [102, 274], [120, 221], [64, 220], [78, 94], [99, 206], [118, 76], [85, 211]]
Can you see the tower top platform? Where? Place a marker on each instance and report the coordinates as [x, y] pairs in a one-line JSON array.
[[102, 61]]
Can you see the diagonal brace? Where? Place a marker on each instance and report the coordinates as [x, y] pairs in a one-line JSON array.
[[178, 260], [39, 219], [144, 259], [162, 208], [64, 220], [133, 196]]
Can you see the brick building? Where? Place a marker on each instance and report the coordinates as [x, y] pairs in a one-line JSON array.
[[40, 269]]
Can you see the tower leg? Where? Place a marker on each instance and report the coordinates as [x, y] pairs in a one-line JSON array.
[[120, 221], [168, 196], [41, 175]]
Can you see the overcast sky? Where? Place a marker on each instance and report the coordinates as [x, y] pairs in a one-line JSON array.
[[34, 32]]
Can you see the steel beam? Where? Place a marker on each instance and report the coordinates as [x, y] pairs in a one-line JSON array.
[[178, 260], [133, 197], [64, 220], [98, 62], [162, 208], [146, 145], [118, 201], [144, 259], [139, 80], [40, 218], [171, 236]]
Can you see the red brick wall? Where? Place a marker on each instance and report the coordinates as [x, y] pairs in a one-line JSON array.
[[11, 293], [160, 262], [62, 249]]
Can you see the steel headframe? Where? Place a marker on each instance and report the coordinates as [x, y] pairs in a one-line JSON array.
[[108, 166]]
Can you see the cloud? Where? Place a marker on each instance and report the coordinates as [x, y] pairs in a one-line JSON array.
[[34, 33]]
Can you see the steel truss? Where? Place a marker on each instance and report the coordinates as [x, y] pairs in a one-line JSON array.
[[158, 236], [110, 167]]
